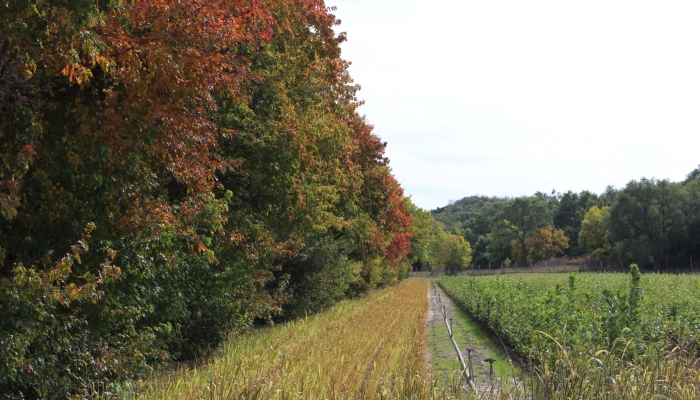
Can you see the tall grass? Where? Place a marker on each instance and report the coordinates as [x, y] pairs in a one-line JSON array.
[[368, 348], [374, 348], [653, 373]]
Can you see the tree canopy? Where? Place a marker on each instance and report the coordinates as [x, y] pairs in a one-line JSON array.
[[594, 234], [172, 172], [449, 251], [649, 222]]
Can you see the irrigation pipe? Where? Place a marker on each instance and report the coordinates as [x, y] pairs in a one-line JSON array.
[[470, 379]]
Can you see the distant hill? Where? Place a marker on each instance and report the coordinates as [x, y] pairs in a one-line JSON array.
[[653, 223], [460, 213]]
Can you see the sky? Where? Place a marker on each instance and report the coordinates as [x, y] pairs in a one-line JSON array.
[[507, 98]]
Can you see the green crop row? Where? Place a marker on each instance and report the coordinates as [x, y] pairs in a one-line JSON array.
[[602, 336], [589, 310]]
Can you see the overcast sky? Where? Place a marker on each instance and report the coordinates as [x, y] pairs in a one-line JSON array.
[[506, 98]]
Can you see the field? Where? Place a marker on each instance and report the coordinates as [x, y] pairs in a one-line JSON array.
[[368, 348], [603, 336], [594, 335]]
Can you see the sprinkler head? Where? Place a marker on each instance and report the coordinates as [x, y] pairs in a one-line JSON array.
[[490, 361]]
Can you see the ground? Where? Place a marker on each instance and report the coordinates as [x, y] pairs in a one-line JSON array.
[[468, 334]]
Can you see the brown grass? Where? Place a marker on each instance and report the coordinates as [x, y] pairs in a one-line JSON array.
[[368, 348]]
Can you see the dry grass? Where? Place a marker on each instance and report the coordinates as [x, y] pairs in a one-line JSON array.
[[611, 375], [374, 348], [368, 348]]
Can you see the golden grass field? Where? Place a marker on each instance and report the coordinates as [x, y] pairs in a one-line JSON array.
[[375, 348], [369, 348]]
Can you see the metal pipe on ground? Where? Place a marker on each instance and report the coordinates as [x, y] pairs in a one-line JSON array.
[[466, 371]]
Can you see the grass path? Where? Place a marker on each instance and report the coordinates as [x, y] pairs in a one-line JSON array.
[[468, 334]]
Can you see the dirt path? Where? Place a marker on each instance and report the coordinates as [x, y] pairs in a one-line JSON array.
[[442, 355]]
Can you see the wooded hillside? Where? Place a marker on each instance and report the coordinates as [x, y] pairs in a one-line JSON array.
[[650, 222]]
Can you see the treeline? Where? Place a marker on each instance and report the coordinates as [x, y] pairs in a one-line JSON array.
[[433, 247], [172, 172], [653, 223]]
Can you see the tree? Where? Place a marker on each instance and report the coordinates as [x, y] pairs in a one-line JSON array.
[[423, 229], [449, 251], [480, 250], [646, 219], [474, 218], [210, 155], [693, 175], [500, 241], [109, 143], [546, 243], [594, 235], [691, 246], [526, 214], [569, 215], [318, 276]]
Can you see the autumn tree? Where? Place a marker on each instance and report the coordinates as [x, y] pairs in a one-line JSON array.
[[381, 208], [173, 171], [594, 235], [650, 222], [545, 243], [109, 123]]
